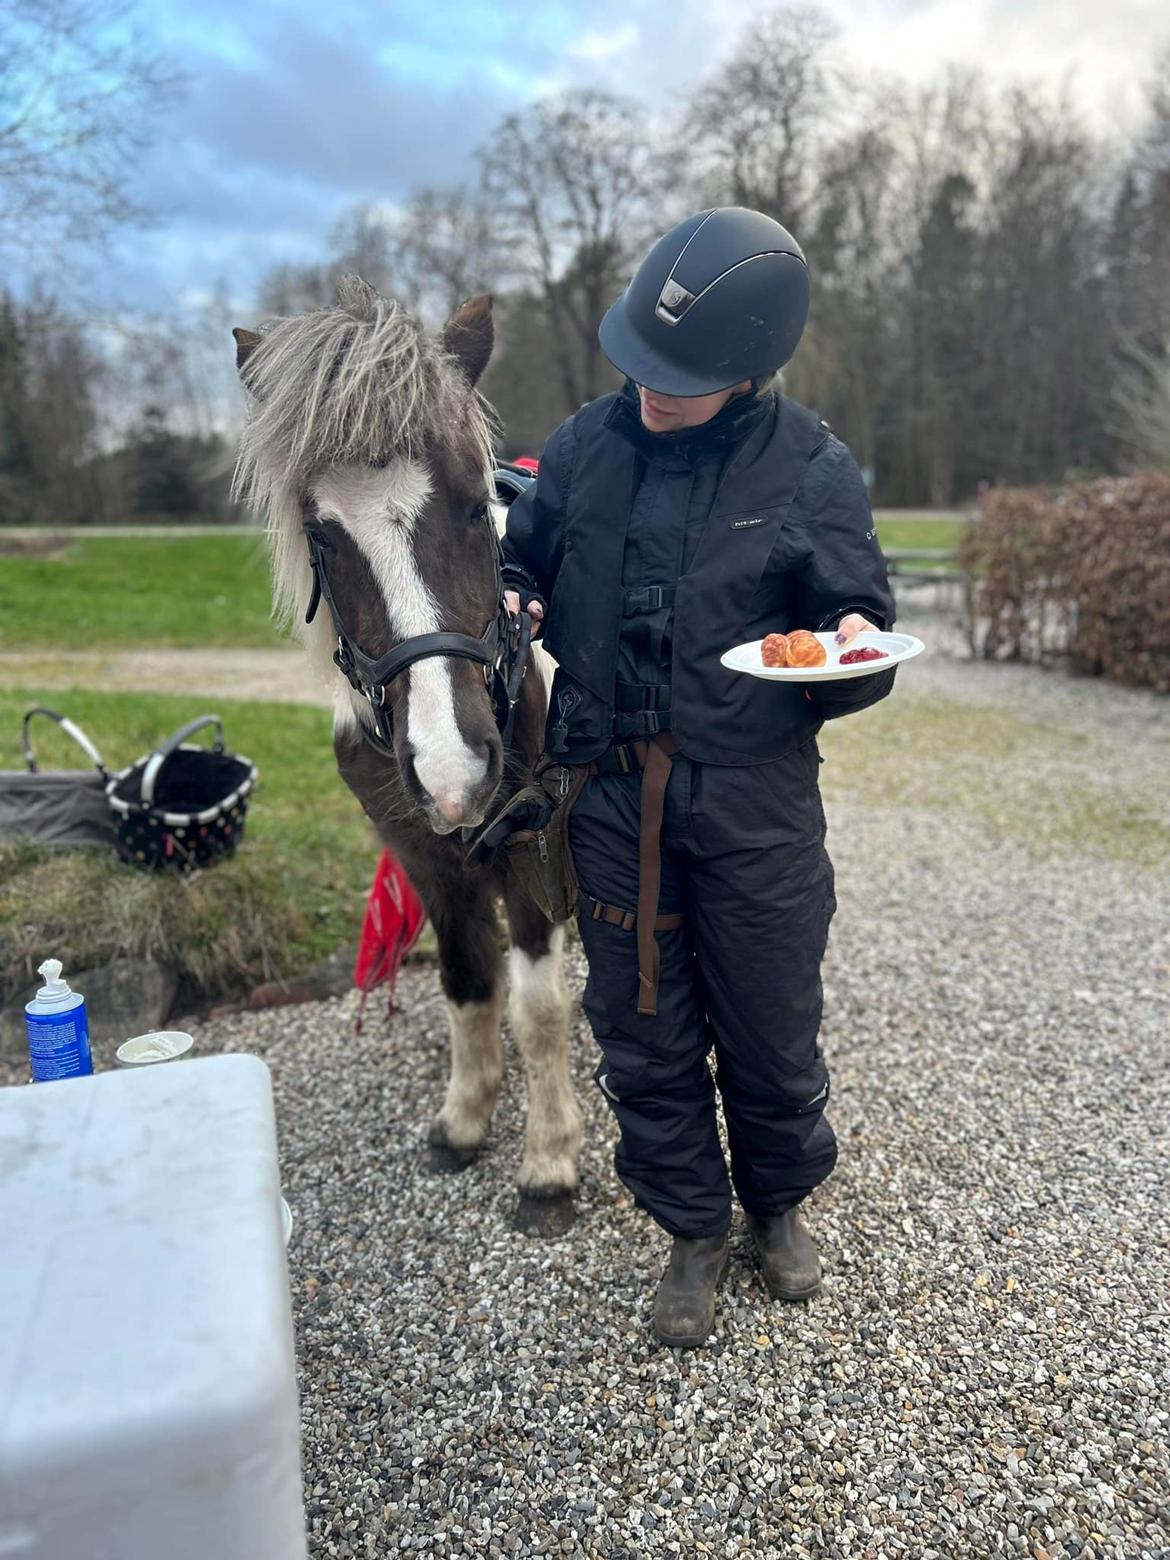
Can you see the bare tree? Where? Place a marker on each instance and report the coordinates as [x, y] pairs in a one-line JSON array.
[[573, 181], [49, 383], [80, 94], [430, 255], [1141, 406], [443, 246], [754, 129], [1041, 306], [361, 242], [851, 246], [294, 287], [1139, 284], [940, 132]]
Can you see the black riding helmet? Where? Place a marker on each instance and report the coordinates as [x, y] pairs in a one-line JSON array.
[[720, 298]]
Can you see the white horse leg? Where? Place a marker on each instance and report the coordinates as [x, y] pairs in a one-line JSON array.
[[473, 1085], [464, 917], [538, 1008]]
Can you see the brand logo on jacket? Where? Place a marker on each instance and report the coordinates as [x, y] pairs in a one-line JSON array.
[[742, 525]]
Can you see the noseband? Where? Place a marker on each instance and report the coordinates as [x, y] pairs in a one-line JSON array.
[[502, 651]]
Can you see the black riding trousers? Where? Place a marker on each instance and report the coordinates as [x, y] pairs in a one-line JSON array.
[[743, 857]]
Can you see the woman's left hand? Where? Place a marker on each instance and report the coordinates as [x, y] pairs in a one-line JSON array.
[[849, 628]]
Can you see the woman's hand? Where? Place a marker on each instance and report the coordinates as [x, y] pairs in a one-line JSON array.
[[535, 610], [849, 628]]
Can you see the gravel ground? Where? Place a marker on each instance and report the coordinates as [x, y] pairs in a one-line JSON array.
[[987, 1371], [280, 676]]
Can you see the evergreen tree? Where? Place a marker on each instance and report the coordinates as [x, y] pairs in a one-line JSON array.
[[16, 463], [164, 481]]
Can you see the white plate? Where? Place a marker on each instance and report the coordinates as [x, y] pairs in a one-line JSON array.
[[898, 647]]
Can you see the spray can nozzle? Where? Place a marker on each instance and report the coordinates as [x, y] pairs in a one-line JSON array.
[[54, 986]]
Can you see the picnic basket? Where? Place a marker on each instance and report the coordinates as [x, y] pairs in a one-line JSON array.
[[182, 806], [65, 807]]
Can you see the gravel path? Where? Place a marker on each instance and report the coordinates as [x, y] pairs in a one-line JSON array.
[[280, 676], [987, 1371]]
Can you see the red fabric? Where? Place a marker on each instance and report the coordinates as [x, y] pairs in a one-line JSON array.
[[394, 919], [526, 463]]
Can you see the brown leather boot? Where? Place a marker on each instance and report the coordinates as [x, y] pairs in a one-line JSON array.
[[684, 1307], [788, 1258]]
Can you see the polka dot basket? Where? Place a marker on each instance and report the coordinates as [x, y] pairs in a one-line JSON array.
[[182, 806]]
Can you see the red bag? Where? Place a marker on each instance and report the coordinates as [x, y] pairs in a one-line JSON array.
[[394, 919]]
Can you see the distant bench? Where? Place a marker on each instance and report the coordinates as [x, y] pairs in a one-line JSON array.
[[903, 563]]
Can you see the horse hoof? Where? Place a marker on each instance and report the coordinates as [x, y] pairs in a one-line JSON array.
[[545, 1214], [444, 1158]]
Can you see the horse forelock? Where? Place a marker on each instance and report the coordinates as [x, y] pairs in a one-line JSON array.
[[357, 385], [358, 382]]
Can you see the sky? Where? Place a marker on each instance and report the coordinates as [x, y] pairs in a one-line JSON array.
[[295, 111]]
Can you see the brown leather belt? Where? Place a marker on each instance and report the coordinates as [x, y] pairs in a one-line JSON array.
[[654, 756]]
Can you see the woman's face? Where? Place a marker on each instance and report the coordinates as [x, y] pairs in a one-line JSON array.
[[670, 413]]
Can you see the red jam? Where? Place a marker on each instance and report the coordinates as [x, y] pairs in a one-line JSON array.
[[863, 653]]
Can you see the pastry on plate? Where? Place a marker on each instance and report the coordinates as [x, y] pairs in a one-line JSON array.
[[774, 650], [805, 649]]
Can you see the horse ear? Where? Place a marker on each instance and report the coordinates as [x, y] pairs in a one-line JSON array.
[[246, 343], [469, 335]]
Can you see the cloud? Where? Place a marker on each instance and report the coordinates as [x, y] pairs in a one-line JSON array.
[[282, 131], [296, 111], [324, 110], [596, 46]]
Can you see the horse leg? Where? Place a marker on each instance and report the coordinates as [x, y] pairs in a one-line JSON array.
[[471, 968], [538, 1009]]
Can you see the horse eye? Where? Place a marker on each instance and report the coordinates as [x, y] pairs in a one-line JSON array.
[[481, 513]]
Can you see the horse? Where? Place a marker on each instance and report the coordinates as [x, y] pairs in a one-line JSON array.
[[368, 450]]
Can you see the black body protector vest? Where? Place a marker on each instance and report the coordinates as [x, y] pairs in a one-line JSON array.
[[764, 521]]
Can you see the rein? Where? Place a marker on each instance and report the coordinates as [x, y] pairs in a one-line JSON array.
[[502, 650]]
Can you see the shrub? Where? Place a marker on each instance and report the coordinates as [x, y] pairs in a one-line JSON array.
[[1080, 573]]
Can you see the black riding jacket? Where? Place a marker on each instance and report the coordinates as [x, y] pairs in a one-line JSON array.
[[655, 553]]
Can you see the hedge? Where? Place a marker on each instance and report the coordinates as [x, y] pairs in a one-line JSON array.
[[1079, 574]]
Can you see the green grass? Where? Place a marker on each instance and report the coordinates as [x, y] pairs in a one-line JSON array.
[[915, 515], [201, 591], [293, 893], [132, 591], [895, 531]]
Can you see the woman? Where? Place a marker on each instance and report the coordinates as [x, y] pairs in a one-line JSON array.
[[693, 510]]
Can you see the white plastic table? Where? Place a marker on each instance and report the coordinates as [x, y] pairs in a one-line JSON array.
[[148, 1404]]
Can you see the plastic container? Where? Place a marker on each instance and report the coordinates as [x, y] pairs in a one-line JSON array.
[[58, 1029], [162, 1045], [148, 1396]]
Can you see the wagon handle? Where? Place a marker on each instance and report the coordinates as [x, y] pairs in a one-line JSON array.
[[70, 729], [160, 755]]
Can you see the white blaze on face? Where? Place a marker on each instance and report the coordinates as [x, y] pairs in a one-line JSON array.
[[379, 509]]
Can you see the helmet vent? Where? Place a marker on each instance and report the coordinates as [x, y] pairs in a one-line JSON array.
[[673, 302]]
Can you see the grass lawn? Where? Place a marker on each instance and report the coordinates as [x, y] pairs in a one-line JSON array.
[[293, 893], [134, 591], [202, 591], [894, 530]]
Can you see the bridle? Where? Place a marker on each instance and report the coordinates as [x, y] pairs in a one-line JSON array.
[[502, 650]]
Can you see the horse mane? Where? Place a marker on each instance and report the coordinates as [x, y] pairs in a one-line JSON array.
[[359, 382]]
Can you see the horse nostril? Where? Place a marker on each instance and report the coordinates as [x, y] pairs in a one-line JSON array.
[[450, 804], [492, 753]]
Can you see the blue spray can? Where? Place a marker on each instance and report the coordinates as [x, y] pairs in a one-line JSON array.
[[58, 1029]]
